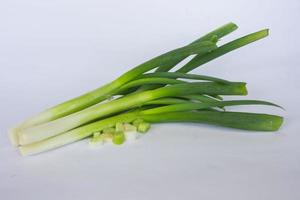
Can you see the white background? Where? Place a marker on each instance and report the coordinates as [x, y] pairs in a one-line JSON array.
[[51, 51]]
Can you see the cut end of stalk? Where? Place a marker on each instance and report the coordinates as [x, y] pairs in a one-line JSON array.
[[13, 136], [233, 26], [119, 138], [96, 140], [219, 32], [143, 127], [243, 89], [24, 151], [29, 150], [265, 32], [276, 123], [227, 28], [23, 139]]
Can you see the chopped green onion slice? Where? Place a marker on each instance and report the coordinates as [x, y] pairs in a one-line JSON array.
[[137, 122], [118, 138], [109, 130], [143, 127], [129, 128]]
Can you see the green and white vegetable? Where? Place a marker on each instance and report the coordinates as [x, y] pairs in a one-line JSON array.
[[123, 109]]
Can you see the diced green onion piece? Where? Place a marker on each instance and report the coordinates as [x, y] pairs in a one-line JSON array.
[[96, 139], [131, 136], [109, 130], [137, 122], [143, 127], [130, 132], [118, 138], [107, 137], [129, 128], [96, 134]]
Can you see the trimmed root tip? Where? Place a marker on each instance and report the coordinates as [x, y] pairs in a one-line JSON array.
[[24, 151], [13, 136]]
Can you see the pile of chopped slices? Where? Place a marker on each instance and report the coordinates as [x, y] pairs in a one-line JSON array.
[[149, 93], [122, 132]]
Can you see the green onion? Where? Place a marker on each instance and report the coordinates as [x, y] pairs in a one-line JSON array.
[[128, 127], [146, 94], [96, 139], [118, 138], [107, 137], [143, 127], [109, 130]]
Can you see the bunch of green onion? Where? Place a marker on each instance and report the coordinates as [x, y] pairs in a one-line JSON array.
[[149, 93]]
